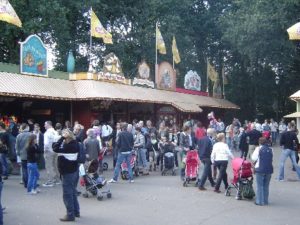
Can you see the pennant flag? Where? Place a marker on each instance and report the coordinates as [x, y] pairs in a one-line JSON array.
[[8, 14], [211, 72], [160, 44], [176, 56], [98, 31], [294, 32]]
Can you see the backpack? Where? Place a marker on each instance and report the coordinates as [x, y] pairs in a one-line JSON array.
[[248, 191], [81, 154]]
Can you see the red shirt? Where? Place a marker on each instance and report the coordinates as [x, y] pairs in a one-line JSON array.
[[200, 133]]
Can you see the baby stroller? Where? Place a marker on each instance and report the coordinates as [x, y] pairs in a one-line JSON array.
[[93, 183], [191, 167], [242, 179], [101, 157], [133, 164], [168, 160]]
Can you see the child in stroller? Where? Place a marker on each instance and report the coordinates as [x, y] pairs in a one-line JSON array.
[[92, 182], [242, 179], [192, 164], [167, 149]]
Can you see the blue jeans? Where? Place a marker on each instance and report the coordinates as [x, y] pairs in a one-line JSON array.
[[229, 142], [142, 158], [69, 184], [206, 173], [24, 172], [33, 176], [284, 155], [3, 159], [262, 191], [1, 211], [120, 160], [274, 136]]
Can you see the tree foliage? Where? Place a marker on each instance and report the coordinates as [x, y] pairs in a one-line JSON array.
[[247, 37]]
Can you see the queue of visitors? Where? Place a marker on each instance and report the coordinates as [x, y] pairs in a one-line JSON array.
[[60, 147]]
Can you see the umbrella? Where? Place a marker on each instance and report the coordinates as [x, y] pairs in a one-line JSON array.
[[294, 32]]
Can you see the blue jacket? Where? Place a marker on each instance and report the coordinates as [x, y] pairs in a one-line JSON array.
[[265, 160]]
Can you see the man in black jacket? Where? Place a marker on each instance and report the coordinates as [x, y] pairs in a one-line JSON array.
[[68, 150], [289, 142], [124, 145], [4, 143], [243, 145], [204, 150], [254, 136]]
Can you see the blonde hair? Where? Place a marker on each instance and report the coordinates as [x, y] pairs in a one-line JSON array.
[[70, 136], [220, 137]]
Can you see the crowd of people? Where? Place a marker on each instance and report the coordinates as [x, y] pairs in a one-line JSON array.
[[59, 148]]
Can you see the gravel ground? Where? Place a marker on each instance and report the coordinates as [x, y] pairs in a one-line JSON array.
[[155, 200]]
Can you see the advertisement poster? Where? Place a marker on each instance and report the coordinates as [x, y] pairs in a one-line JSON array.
[[33, 57]]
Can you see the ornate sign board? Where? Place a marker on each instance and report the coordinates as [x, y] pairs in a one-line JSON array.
[[33, 60], [112, 70], [192, 81], [143, 77], [166, 77]]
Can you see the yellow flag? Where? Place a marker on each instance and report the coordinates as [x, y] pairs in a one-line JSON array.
[[176, 56], [98, 31], [211, 72], [294, 32], [160, 44], [8, 14]]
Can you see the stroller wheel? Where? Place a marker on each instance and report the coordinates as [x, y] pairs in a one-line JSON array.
[[136, 172], [105, 166], [227, 193], [109, 195], [85, 195], [185, 184], [100, 198]]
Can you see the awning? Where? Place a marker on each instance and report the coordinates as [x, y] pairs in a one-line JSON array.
[[18, 85], [293, 115], [295, 96]]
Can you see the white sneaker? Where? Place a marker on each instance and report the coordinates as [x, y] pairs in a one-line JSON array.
[[131, 181], [57, 182], [32, 192], [112, 181], [38, 190], [48, 184]]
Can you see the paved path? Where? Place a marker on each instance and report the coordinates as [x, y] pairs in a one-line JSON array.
[[156, 200]]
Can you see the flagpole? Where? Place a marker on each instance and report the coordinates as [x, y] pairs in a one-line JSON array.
[[173, 63], [91, 43], [156, 66], [223, 77], [207, 81]]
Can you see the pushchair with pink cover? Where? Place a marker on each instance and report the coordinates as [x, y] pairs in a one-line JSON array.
[[191, 167], [242, 179]]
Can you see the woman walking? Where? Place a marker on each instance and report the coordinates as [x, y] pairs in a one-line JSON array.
[[219, 157], [263, 156], [32, 168], [68, 149]]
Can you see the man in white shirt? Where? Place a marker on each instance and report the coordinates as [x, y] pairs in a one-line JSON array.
[[274, 127], [282, 128], [50, 137], [106, 132]]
